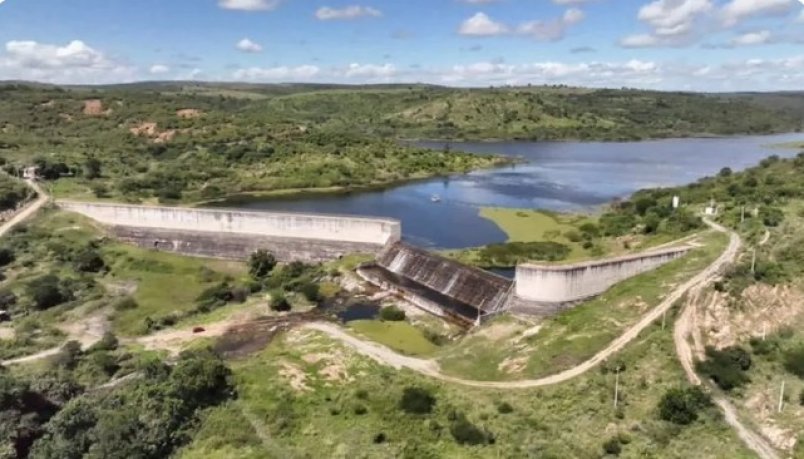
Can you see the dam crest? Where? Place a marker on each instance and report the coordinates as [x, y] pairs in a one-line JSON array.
[[435, 283]]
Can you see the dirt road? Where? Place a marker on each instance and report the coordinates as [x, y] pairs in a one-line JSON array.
[[41, 199], [685, 331]]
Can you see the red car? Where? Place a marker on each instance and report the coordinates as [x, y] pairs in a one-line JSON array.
[[199, 330]]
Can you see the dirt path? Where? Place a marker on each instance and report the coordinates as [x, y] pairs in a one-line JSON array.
[[685, 331], [41, 199]]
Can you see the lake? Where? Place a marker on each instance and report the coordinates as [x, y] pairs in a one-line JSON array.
[[560, 176]]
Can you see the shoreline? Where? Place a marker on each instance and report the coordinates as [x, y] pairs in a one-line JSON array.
[[701, 135], [233, 199]]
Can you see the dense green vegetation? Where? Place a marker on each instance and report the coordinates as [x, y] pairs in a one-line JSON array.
[[160, 142], [52, 414], [12, 192]]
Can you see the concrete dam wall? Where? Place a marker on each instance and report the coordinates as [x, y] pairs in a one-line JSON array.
[[461, 291], [235, 234], [556, 284]]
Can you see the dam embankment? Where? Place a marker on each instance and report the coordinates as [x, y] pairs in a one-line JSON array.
[[547, 288], [236, 234]]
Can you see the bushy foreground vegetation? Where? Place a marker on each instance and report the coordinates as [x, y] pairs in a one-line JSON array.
[[55, 415], [305, 387]]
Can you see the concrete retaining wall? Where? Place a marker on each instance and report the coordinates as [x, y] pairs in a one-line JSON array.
[[556, 285], [227, 233]]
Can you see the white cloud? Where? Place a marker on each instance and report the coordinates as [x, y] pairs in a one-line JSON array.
[[249, 5], [570, 2], [481, 25], [283, 73], [370, 71], [573, 16], [752, 38], [642, 40], [479, 2], [159, 69], [673, 17], [326, 13], [248, 46], [738, 10], [75, 62], [684, 22], [554, 29]]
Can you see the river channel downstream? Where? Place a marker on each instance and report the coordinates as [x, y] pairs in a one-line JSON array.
[[558, 176]]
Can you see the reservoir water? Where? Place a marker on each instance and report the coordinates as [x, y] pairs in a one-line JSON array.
[[560, 176]]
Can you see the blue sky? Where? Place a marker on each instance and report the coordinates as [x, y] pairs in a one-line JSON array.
[[662, 44]]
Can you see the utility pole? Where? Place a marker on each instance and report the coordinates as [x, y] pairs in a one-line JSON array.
[[617, 387], [781, 397], [754, 262], [742, 215], [664, 319]]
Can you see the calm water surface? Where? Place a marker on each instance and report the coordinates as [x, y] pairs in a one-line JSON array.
[[562, 176]]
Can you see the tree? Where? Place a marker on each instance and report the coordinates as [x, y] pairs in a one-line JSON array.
[[681, 406], [46, 292], [726, 367], [92, 168], [261, 263], [416, 400], [794, 361], [89, 261], [725, 172]]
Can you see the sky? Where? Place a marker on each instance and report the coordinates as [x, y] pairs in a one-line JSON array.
[[700, 45]]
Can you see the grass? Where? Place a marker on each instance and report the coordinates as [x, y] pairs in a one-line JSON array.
[[400, 336], [577, 334], [165, 283], [341, 417], [522, 225]]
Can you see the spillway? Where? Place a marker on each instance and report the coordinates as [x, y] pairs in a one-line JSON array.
[[459, 291]]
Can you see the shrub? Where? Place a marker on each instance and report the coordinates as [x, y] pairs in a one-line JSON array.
[[801, 398], [279, 302], [726, 367], [505, 408], [261, 263], [416, 400], [794, 361], [360, 410], [612, 446], [392, 314], [89, 261], [435, 337], [47, 293], [311, 291], [125, 304], [6, 256], [379, 438], [466, 433], [771, 216], [681, 406]]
